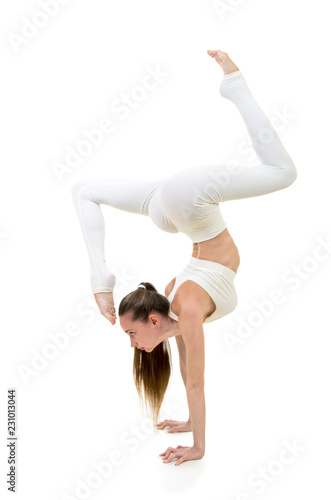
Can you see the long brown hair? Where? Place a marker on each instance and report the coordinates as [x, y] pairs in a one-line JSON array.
[[151, 370]]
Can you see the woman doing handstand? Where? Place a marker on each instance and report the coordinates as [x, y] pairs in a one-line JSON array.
[[187, 202]]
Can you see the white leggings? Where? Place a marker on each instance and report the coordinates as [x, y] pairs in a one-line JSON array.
[[187, 202]]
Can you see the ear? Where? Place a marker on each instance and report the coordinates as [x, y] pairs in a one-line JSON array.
[[153, 319]]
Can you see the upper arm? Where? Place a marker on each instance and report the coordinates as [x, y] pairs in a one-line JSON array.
[[190, 324]]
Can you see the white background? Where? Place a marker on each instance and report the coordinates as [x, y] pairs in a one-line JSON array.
[[271, 388]]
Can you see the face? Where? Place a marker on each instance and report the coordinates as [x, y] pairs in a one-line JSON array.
[[142, 335]]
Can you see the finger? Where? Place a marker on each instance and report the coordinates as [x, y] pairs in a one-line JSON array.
[[164, 453], [169, 452], [163, 425], [170, 458], [163, 422], [176, 428], [180, 461], [167, 456]]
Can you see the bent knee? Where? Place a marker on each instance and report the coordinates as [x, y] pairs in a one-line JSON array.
[[291, 174], [78, 187]]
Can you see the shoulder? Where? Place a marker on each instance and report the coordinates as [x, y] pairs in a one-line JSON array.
[[169, 287], [192, 301], [191, 295]]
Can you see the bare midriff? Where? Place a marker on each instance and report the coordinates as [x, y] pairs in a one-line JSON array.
[[221, 249]]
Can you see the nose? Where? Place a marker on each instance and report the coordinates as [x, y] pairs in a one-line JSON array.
[[133, 343]]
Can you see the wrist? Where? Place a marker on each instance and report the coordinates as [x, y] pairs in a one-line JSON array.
[[199, 448]]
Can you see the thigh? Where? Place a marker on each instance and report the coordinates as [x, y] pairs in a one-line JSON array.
[[130, 195], [210, 184], [189, 196], [239, 182]]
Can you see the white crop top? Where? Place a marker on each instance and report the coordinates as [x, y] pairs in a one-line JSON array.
[[216, 279]]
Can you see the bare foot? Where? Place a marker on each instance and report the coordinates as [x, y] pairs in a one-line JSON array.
[[224, 61], [105, 301]]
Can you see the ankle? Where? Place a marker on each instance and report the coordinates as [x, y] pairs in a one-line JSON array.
[[230, 82]]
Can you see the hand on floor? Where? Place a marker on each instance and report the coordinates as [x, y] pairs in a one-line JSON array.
[[183, 453], [175, 425]]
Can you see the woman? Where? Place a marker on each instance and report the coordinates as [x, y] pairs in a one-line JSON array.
[[188, 202]]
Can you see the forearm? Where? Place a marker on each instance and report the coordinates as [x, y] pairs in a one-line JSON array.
[[197, 408], [184, 377], [182, 361], [190, 322]]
